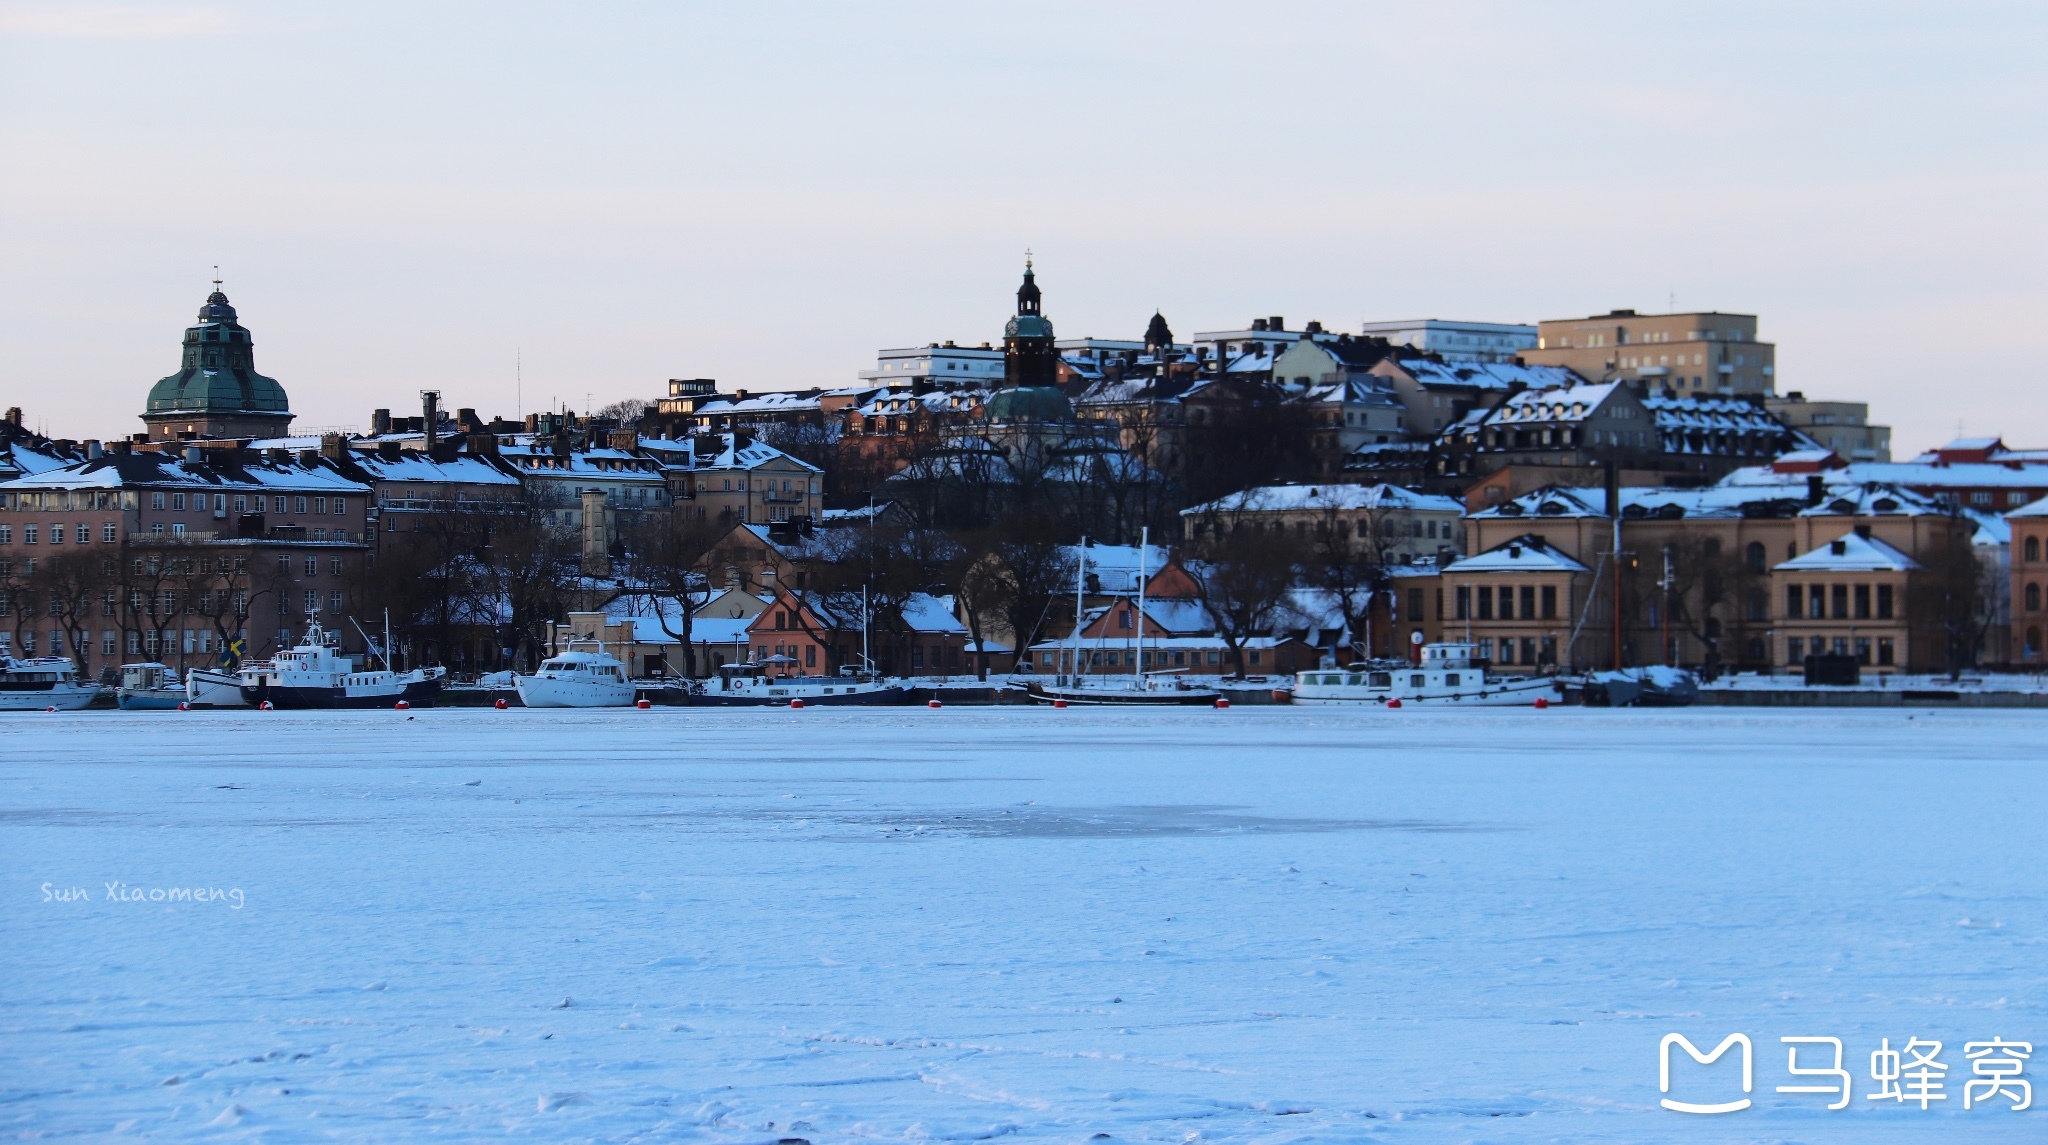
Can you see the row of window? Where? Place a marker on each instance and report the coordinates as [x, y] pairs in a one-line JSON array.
[[1507, 602], [1838, 602], [81, 533]]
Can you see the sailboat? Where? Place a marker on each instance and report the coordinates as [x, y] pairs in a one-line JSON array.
[[1139, 689]]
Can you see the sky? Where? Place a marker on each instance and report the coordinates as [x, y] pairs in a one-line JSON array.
[[530, 205]]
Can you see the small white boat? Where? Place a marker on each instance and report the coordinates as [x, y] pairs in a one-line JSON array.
[[150, 686], [314, 674], [47, 682], [577, 679], [749, 685], [1447, 676], [206, 688]]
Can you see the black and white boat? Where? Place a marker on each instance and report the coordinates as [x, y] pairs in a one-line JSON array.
[[1149, 691], [39, 684], [314, 674], [1448, 675], [750, 685]]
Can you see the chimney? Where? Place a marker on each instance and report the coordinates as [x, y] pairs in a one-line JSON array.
[[92, 451], [430, 414], [483, 444], [625, 440], [380, 421], [533, 423], [597, 549], [1276, 323], [331, 447], [466, 420], [1259, 324], [13, 415], [388, 451], [1816, 489]]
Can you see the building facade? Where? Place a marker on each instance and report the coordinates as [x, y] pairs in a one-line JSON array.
[[1690, 353], [1456, 341]]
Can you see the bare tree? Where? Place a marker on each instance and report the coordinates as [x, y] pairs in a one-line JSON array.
[[73, 583], [1244, 577], [665, 566]]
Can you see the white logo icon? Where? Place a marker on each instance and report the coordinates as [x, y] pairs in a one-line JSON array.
[[1664, 1071], [1835, 1070]]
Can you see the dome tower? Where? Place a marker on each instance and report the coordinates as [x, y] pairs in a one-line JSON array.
[[217, 392]]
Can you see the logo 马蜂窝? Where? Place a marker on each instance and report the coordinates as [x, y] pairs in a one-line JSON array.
[[1911, 1074]]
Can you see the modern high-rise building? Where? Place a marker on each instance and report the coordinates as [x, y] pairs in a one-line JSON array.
[[1455, 341], [1692, 353]]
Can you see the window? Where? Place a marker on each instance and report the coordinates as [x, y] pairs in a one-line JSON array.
[[1884, 602], [1816, 604], [312, 566], [312, 600], [341, 506], [1980, 498], [241, 502], [177, 500], [6, 534], [1415, 603], [110, 533], [334, 565], [298, 504], [320, 505], [1795, 650], [156, 500], [1528, 603], [1753, 556], [1550, 602], [334, 602], [1863, 650], [1863, 602], [2033, 547], [1486, 602], [1884, 651], [28, 534], [1464, 607], [277, 504], [2033, 598]]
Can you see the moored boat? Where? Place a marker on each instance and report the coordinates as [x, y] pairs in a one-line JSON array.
[[207, 688], [314, 674], [749, 685], [150, 686], [577, 679], [1146, 692], [1448, 675], [44, 682]]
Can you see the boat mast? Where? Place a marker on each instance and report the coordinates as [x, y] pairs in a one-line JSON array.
[[1144, 541], [1080, 582], [866, 664]]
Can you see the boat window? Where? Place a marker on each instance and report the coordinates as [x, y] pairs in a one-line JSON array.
[[1382, 679], [1451, 678], [1416, 681], [1354, 681]]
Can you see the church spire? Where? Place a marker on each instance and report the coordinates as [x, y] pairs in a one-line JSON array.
[[1027, 294]]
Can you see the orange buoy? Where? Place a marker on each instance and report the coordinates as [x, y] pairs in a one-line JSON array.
[[265, 706], [183, 706], [797, 703], [402, 706], [501, 705], [1542, 702], [1059, 703], [1395, 702], [643, 705], [1221, 702], [51, 708], [932, 704]]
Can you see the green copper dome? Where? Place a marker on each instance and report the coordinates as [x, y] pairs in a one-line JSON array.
[[219, 370], [1029, 403]]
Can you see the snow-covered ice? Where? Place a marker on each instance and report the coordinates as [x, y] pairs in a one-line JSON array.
[[1260, 924]]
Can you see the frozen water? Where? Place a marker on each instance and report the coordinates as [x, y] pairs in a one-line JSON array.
[[1258, 924]]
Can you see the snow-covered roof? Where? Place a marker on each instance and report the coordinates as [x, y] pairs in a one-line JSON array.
[[2037, 509], [1116, 566], [923, 612], [1852, 552], [1350, 498], [1913, 474], [1486, 375], [218, 469], [465, 469], [1523, 554]]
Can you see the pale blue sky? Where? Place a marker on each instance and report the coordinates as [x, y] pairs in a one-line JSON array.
[[402, 195]]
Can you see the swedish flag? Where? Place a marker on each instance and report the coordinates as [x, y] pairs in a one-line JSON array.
[[231, 653]]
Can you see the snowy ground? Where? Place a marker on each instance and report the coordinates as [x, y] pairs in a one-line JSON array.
[[1262, 924]]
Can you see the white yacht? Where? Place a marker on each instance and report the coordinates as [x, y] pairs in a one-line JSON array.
[[1121, 690], [1447, 675], [577, 679], [314, 674], [149, 686], [37, 684], [749, 685]]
